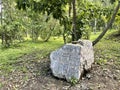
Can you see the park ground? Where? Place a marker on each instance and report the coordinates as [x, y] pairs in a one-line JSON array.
[[26, 66]]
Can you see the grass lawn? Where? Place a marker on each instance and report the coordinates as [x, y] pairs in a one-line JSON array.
[[10, 55], [108, 48], [93, 36]]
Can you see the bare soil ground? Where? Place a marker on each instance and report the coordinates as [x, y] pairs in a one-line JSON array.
[[35, 74]]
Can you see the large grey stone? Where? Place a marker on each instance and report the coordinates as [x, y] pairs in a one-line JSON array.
[[72, 59]]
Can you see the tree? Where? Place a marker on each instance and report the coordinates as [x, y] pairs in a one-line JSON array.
[[11, 27], [108, 25], [117, 21], [57, 8], [54, 7], [74, 33]]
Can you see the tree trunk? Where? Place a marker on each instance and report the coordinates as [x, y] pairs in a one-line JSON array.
[[95, 26], [108, 25], [70, 8], [2, 34], [49, 34], [64, 36], [74, 33]]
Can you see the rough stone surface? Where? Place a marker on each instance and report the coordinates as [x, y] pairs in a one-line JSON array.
[[72, 59]]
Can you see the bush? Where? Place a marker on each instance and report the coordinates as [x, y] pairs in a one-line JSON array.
[[73, 81], [86, 32]]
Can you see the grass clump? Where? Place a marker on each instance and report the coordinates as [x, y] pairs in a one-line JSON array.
[[73, 81]]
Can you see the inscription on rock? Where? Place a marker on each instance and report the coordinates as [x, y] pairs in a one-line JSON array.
[[71, 60]]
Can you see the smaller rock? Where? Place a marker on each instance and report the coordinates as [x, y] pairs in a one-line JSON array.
[[88, 76]]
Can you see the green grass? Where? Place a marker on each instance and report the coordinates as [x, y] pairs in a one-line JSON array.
[[94, 36], [10, 55], [105, 50], [108, 48]]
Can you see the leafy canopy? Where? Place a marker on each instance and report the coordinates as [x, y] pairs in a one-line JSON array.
[[54, 7]]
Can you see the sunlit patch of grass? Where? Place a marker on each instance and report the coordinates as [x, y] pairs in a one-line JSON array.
[[93, 36], [107, 49], [101, 61], [8, 56]]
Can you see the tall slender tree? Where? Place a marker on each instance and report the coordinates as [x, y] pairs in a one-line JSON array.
[[74, 33], [108, 25], [1, 20]]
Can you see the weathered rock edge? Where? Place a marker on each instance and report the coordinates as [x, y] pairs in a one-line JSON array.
[[71, 60]]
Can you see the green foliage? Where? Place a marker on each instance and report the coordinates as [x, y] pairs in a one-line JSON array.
[[90, 15], [19, 25], [92, 12], [11, 32], [54, 7], [50, 28], [37, 22], [73, 81], [86, 32], [11, 28], [112, 1], [1, 85], [117, 21], [87, 13], [101, 61]]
